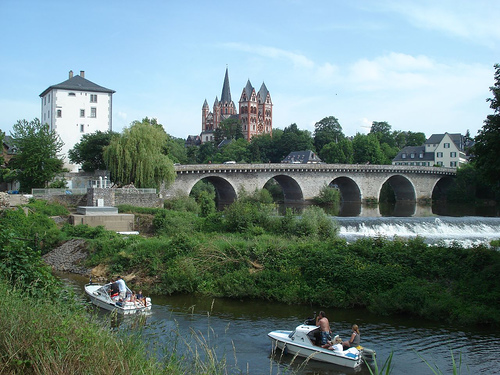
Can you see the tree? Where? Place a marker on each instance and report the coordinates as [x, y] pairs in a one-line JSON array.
[[382, 130], [89, 151], [367, 149], [294, 139], [327, 130], [228, 129], [341, 152], [136, 156], [487, 143], [37, 160], [236, 150]]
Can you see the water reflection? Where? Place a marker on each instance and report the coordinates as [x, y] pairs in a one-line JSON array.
[[399, 209], [236, 331]]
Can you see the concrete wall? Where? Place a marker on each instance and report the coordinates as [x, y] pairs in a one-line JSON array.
[[117, 223]]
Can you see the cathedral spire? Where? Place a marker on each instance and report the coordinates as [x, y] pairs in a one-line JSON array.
[[226, 91]]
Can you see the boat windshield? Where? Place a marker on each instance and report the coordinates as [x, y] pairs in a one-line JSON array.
[[291, 334]]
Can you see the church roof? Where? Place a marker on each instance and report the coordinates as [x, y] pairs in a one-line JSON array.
[[78, 83], [205, 104], [263, 92], [226, 90], [248, 90]]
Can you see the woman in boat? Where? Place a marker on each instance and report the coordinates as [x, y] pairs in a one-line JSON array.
[[354, 340], [335, 345]]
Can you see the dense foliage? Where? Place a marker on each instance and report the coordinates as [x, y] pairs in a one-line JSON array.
[[37, 160], [486, 149], [137, 156], [89, 151]]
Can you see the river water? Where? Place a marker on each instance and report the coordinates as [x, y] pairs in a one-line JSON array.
[[236, 331]]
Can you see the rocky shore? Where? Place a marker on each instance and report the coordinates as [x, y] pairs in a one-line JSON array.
[[69, 257]]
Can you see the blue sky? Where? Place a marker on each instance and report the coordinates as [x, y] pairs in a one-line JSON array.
[[419, 65]]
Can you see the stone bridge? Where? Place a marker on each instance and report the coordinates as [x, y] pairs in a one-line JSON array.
[[303, 182]]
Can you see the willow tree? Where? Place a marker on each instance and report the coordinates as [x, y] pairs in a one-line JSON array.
[[136, 156]]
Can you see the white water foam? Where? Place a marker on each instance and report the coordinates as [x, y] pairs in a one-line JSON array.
[[466, 231]]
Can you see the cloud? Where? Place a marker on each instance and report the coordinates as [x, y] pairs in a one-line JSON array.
[[296, 59], [472, 20]]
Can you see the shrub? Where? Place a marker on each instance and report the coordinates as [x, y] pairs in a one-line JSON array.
[[43, 207], [185, 203], [173, 222], [328, 196]]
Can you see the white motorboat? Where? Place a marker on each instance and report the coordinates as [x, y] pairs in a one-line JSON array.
[[301, 342], [99, 294]]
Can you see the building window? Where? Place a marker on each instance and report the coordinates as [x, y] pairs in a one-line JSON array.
[[446, 145], [71, 94], [453, 154], [93, 112], [439, 154], [403, 156], [82, 128], [421, 155], [412, 155], [59, 113], [48, 97], [453, 163], [440, 163], [82, 113], [93, 98]]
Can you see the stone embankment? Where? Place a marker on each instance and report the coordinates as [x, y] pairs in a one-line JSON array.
[[69, 258]]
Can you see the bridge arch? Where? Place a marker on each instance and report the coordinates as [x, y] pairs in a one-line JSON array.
[[403, 188], [292, 192], [225, 193], [349, 189], [441, 187]]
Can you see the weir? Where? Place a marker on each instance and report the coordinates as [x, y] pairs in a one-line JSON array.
[[467, 231]]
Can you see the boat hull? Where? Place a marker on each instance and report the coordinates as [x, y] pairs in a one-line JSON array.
[[101, 299], [281, 340]]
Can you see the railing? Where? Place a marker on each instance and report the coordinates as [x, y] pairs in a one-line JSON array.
[[77, 191], [83, 191], [135, 190]]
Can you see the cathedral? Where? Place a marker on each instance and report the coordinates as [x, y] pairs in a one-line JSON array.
[[255, 111]]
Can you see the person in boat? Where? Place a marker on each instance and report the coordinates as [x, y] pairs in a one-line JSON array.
[[140, 297], [335, 345], [113, 290], [354, 340], [324, 327], [122, 287]]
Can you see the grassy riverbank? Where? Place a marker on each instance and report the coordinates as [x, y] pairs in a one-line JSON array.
[[247, 253]]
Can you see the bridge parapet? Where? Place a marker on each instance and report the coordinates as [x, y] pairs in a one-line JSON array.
[[325, 168]]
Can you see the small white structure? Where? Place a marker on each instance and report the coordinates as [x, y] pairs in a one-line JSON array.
[[76, 107]]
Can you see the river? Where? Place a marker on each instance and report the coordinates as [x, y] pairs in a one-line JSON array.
[[236, 330]]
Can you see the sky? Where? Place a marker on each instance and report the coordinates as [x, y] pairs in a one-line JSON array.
[[423, 66]]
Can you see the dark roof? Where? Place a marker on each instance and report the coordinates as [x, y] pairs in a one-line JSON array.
[[417, 150], [248, 90], [226, 90], [205, 104], [302, 157], [456, 138], [263, 93], [78, 83]]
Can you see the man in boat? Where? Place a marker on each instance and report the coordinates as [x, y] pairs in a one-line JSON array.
[[324, 327], [122, 288]]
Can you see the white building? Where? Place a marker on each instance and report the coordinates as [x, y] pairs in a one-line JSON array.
[[75, 107], [446, 150]]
